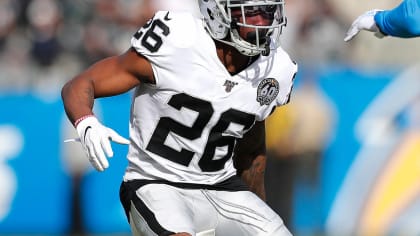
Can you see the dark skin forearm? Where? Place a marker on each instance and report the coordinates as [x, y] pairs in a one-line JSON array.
[[79, 93], [108, 77], [250, 159], [78, 98]]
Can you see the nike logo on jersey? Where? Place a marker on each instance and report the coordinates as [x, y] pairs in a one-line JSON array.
[[167, 17], [229, 85]]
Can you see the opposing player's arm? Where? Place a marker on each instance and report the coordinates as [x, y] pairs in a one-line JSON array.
[[250, 158], [108, 77]]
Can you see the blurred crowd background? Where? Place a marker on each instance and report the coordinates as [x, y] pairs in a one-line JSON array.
[[43, 43]]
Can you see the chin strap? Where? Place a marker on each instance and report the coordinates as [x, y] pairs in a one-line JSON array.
[[244, 47], [266, 51]]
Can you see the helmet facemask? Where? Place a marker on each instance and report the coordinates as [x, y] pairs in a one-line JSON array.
[[227, 17]]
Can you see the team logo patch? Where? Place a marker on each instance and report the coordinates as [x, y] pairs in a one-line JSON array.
[[267, 91]]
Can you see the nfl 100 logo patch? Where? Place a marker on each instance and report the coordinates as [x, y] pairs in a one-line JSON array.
[[229, 85], [267, 91]]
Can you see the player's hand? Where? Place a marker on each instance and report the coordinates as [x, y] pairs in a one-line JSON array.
[[365, 21], [95, 139]]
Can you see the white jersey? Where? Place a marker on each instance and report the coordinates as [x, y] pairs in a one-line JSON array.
[[184, 127]]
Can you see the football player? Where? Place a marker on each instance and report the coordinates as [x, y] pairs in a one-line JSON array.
[[203, 87], [402, 21]]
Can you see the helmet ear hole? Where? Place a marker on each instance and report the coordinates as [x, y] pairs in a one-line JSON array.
[[210, 14]]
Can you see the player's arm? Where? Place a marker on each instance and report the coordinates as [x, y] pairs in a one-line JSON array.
[[402, 21], [250, 158], [108, 77]]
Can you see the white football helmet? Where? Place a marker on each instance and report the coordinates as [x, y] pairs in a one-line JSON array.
[[220, 24]]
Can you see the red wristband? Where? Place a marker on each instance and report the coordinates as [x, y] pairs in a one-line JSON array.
[[80, 119]]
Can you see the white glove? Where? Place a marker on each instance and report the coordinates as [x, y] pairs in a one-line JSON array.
[[365, 21], [95, 139]]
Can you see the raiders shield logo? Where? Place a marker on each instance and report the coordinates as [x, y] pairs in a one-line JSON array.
[[267, 91]]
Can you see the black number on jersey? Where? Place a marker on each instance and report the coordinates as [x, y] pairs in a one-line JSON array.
[[151, 39], [215, 139], [166, 125]]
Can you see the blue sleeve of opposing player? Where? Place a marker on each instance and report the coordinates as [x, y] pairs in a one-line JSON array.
[[402, 21]]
